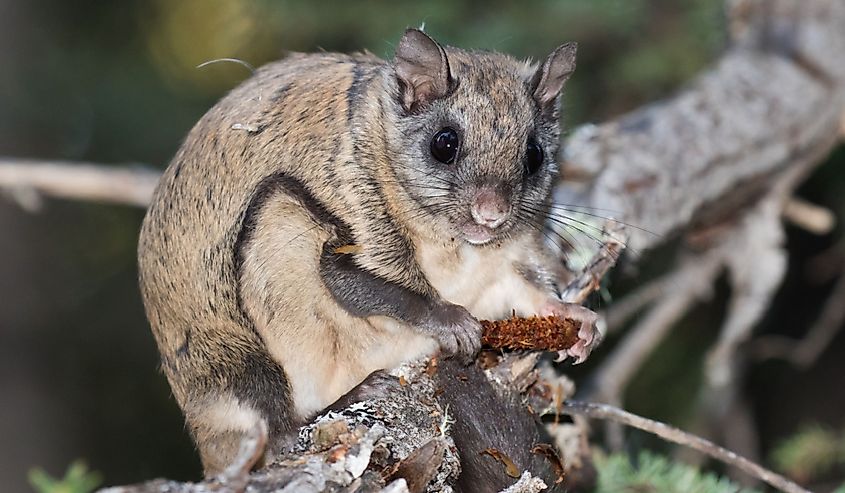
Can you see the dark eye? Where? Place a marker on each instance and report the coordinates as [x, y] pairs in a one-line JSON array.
[[444, 145], [533, 157]]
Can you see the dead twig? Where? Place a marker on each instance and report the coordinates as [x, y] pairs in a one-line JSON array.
[[79, 181], [755, 260], [695, 276], [675, 435], [624, 309], [808, 216], [803, 353]]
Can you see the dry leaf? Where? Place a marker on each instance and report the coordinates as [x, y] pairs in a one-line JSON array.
[[431, 368], [551, 454], [337, 453], [510, 468], [349, 249]]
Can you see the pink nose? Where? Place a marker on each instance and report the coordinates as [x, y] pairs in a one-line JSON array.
[[489, 208]]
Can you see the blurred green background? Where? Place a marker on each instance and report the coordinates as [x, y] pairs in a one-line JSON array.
[[116, 82]]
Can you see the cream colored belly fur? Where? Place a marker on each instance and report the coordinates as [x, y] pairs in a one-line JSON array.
[[322, 373], [483, 280]]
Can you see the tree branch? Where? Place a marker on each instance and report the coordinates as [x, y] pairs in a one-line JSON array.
[[675, 435], [80, 181], [804, 352], [774, 100]]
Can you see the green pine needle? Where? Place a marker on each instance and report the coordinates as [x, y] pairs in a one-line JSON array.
[[809, 454], [657, 474], [78, 479]]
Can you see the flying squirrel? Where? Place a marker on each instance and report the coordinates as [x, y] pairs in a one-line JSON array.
[[335, 216]]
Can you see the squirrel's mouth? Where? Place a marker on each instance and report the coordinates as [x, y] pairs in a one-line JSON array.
[[477, 234]]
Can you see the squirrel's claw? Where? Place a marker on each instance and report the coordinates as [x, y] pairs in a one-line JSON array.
[[588, 334]]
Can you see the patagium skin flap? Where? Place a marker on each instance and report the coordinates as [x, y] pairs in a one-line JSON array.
[[337, 215]]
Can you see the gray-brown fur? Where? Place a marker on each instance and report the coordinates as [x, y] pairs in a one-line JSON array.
[[255, 314]]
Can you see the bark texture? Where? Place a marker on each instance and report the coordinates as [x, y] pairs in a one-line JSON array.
[[774, 102]]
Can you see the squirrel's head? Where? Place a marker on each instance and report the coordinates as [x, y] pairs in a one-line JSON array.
[[476, 136]]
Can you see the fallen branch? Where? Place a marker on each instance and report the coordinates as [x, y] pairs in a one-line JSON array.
[[675, 435]]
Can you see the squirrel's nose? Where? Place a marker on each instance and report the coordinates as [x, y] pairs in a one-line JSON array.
[[489, 207]]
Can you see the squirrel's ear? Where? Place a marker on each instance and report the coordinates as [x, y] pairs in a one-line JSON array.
[[422, 69], [550, 77]]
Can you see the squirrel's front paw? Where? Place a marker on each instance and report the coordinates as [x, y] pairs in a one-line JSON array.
[[588, 335], [457, 332]]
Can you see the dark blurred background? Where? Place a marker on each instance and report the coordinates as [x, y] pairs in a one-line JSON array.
[[116, 82]]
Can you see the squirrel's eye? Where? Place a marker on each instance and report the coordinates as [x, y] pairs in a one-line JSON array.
[[533, 157], [444, 145]]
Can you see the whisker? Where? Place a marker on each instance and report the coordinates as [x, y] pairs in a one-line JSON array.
[[568, 220], [528, 220], [579, 226], [562, 219], [564, 231], [565, 207], [589, 208], [421, 210], [430, 212], [565, 225], [229, 60], [444, 186], [431, 174], [539, 214]]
